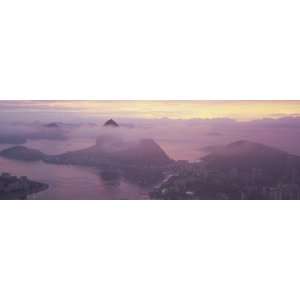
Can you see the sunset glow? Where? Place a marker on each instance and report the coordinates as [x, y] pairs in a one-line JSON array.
[[239, 110], [150, 150]]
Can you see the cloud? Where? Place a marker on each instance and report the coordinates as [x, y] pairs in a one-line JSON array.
[[239, 110], [181, 139]]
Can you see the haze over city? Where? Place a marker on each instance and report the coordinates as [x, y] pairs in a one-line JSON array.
[[150, 149]]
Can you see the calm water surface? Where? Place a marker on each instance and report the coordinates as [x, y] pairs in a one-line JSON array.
[[71, 182], [76, 182]]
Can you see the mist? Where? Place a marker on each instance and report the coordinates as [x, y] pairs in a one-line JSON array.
[[180, 139]]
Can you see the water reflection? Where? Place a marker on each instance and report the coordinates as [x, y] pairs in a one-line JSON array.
[[72, 182]]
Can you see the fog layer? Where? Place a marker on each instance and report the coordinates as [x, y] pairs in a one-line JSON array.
[[181, 139]]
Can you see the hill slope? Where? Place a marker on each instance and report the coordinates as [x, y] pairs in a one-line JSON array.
[[23, 153], [245, 155]]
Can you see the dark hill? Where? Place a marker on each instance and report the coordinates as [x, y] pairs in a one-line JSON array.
[[114, 151], [23, 153], [140, 161], [52, 125], [111, 123], [246, 155], [107, 151]]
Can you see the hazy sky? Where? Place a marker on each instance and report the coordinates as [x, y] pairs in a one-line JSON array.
[[239, 110]]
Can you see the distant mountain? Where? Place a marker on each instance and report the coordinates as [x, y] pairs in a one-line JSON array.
[[240, 170], [245, 155], [141, 161], [114, 151], [243, 147], [62, 125], [111, 123], [108, 150], [23, 153], [52, 125], [145, 151]]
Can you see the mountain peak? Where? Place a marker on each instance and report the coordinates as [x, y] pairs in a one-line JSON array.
[[111, 123], [248, 147], [52, 125], [247, 155]]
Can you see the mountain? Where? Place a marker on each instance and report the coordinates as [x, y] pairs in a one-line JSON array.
[[63, 125], [240, 170], [141, 161], [23, 153], [245, 155], [108, 150], [52, 125], [146, 152], [244, 148], [111, 123], [111, 150]]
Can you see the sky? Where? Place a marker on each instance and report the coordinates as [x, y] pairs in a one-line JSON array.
[[238, 110], [181, 128]]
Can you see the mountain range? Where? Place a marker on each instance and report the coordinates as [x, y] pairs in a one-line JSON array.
[[143, 157], [109, 151], [141, 161]]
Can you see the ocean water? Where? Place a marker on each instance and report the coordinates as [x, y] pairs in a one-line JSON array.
[[78, 182], [72, 182]]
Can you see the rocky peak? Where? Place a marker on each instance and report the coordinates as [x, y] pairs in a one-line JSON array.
[[111, 123]]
